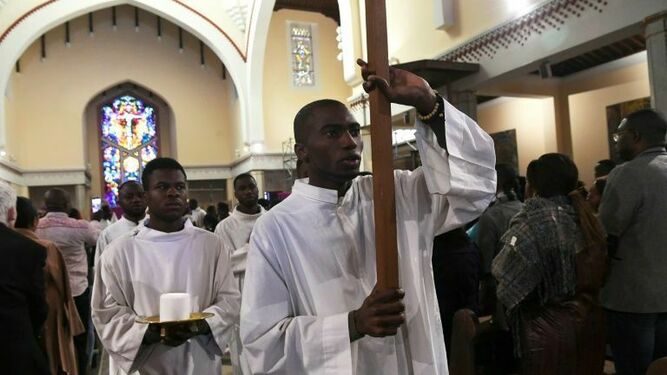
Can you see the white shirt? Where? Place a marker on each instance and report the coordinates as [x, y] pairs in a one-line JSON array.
[[71, 236], [234, 231], [197, 217], [132, 274], [112, 232], [312, 261]]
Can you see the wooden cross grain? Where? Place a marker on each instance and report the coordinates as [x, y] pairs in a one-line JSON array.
[[381, 152]]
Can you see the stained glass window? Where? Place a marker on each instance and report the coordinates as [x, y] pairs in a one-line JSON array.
[[301, 37], [129, 141]]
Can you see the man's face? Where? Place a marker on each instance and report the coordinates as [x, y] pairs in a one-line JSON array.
[[245, 191], [625, 140], [132, 200], [167, 194], [333, 145]]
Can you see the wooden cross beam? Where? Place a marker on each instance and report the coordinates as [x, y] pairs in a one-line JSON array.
[[381, 152]]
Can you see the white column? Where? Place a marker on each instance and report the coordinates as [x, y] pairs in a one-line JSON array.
[[656, 48]]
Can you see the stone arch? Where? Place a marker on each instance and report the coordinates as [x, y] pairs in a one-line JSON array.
[[32, 27]]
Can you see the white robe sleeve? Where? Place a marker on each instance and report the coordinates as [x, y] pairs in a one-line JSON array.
[[226, 305], [114, 319], [274, 340], [102, 243], [460, 181]]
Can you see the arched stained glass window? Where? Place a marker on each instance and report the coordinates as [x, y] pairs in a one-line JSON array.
[[129, 140]]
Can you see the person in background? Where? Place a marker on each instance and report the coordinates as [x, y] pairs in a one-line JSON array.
[[131, 199], [62, 321], [595, 193], [223, 211], [211, 219], [632, 211], [196, 213], [71, 236], [23, 308], [75, 214], [603, 168], [549, 272]]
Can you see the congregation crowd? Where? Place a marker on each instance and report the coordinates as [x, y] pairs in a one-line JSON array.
[[566, 273]]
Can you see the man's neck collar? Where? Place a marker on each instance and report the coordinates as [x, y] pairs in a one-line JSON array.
[[249, 210], [134, 220]]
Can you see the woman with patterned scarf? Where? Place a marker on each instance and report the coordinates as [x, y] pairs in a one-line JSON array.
[[549, 272]]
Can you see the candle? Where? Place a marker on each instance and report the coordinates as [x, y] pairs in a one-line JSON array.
[[175, 306]]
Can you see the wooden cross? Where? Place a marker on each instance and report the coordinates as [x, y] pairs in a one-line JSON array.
[[381, 152]]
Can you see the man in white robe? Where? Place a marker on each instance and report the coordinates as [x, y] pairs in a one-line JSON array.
[[166, 254], [310, 305], [234, 231], [131, 199]]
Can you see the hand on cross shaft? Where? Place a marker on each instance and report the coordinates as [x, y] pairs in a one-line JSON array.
[[381, 314], [403, 88]]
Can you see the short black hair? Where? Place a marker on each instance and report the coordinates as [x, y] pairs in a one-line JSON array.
[[193, 203], [242, 175], [128, 183], [25, 213], [604, 167], [160, 163], [305, 113], [552, 175], [507, 179], [649, 124]]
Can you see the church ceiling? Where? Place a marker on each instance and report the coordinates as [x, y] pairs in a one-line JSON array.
[[327, 7]]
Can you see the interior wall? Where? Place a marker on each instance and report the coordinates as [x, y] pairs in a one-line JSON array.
[[281, 99], [532, 118], [65, 81], [412, 34], [588, 118]]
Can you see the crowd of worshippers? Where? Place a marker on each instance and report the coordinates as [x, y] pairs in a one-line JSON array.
[[549, 273]]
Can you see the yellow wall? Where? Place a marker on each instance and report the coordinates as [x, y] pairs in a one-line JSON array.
[[533, 119], [588, 117], [62, 85], [281, 99], [412, 34]]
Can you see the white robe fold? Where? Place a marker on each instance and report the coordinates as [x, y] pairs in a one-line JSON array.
[[234, 231], [132, 274], [112, 232], [312, 261]]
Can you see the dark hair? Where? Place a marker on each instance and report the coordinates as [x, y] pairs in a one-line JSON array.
[[649, 124], [160, 163], [25, 213], [600, 184], [305, 113], [128, 183], [193, 203], [552, 174], [604, 167], [242, 175], [74, 214], [507, 180]]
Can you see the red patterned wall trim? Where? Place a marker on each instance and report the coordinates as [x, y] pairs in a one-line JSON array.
[[549, 16], [23, 17], [33, 10]]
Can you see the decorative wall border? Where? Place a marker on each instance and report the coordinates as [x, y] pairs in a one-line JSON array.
[[243, 54], [548, 16], [79, 176]]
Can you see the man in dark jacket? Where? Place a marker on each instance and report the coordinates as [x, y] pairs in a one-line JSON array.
[[22, 303]]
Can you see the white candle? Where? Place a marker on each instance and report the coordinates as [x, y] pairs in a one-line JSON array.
[[175, 306]]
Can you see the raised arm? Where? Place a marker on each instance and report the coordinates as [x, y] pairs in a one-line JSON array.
[[458, 157]]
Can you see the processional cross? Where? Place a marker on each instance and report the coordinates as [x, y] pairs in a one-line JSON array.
[[381, 151]]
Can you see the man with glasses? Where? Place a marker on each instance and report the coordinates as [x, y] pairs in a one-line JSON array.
[[632, 210]]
